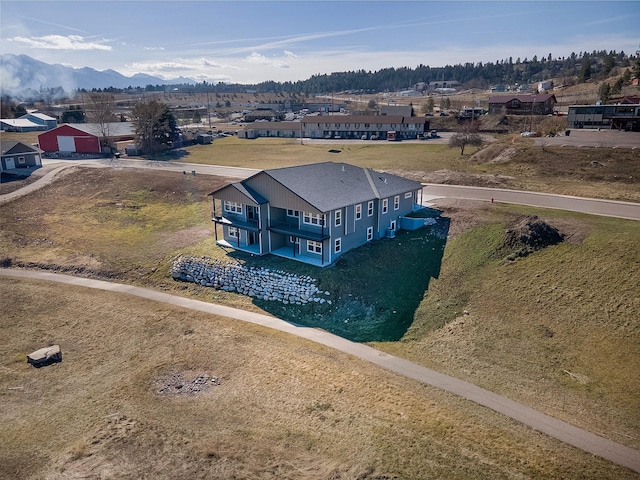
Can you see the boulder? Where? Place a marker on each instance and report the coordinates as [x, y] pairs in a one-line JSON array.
[[45, 356]]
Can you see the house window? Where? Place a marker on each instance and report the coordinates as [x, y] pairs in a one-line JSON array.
[[369, 234], [408, 195], [366, 125], [233, 232], [515, 103], [370, 208], [21, 160], [233, 207], [338, 218], [293, 213], [337, 246], [385, 205], [357, 125], [392, 225], [358, 211], [314, 247], [396, 202], [337, 125], [312, 219]]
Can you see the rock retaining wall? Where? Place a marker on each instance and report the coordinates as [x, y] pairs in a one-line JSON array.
[[262, 283]]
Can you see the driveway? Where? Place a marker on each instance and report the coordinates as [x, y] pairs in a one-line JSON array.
[[577, 437]]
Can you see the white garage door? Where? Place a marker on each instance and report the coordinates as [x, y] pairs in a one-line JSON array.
[[66, 144], [10, 163]]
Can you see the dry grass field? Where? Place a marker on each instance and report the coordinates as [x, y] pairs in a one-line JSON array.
[[558, 330], [282, 408]]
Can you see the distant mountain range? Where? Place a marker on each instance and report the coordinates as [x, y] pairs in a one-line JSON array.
[[22, 76]]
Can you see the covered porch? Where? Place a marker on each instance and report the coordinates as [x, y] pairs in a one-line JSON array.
[[288, 252], [253, 249]]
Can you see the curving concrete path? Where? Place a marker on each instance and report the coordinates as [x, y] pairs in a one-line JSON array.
[[577, 437]]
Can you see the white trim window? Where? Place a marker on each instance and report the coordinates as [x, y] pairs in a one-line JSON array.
[[385, 205], [370, 208], [314, 247], [396, 202], [392, 225], [233, 232], [408, 195], [337, 245], [293, 213], [337, 217], [21, 160], [312, 219], [369, 234], [358, 211], [233, 207]]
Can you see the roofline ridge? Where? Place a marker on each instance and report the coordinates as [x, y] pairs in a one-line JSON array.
[[372, 184]]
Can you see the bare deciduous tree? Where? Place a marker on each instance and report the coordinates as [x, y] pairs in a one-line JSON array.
[[99, 109], [467, 136]]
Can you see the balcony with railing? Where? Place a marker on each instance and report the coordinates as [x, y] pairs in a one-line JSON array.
[[316, 233], [236, 221]]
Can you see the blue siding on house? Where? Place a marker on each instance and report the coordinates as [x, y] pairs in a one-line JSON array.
[[323, 219]]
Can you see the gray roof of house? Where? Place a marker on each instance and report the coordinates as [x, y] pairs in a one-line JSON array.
[[247, 191], [328, 186], [8, 145], [116, 129], [41, 116]]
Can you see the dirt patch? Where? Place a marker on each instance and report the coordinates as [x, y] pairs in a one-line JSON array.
[[495, 153], [574, 231], [464, 214], [185, 383], [185, 237]]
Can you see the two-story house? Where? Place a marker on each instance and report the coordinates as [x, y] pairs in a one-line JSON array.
[[523, 104], [312, 213]]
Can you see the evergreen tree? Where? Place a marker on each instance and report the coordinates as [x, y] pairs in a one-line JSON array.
[[155, 126], [585, 69], [604, 92]]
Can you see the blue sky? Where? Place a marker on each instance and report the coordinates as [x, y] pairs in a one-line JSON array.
[[250, 42]]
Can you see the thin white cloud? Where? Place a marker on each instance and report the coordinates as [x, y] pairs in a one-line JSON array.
[[289, 54], [60, 42], [57, 25], [196, 68], [259, 59]]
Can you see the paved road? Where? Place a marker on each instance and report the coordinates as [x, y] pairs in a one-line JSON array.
[[591, 206], [577, 437]]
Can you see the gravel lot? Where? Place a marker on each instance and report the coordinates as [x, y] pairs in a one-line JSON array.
[[594, 138]]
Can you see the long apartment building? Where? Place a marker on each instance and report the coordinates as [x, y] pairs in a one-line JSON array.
[[342, 127]]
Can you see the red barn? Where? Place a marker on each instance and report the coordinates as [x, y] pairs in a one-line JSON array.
[[66, 138]]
